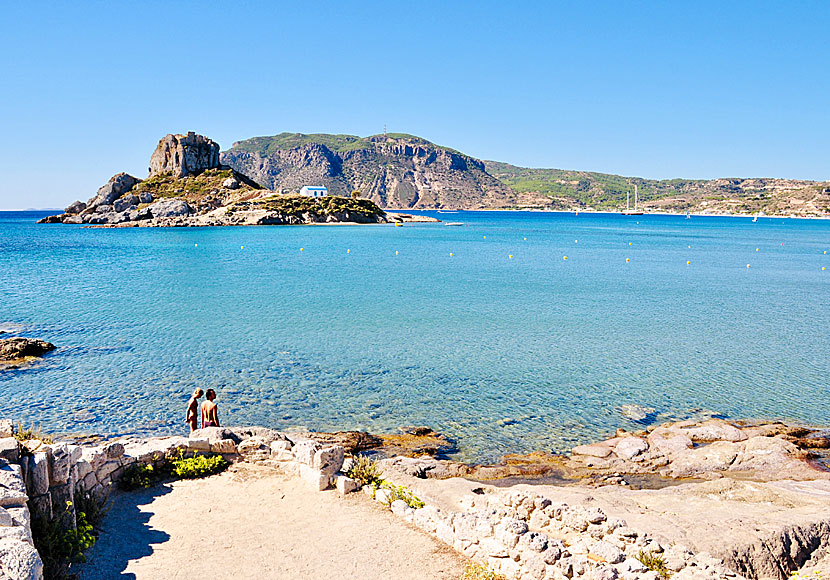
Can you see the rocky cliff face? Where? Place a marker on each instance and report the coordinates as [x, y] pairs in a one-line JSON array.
[[183, 155], [399, 172]]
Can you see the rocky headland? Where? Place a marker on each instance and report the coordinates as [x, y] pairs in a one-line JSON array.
[[188, 186], [734, 500]]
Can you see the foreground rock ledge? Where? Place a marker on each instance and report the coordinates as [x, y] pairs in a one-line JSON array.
[[751, 530]]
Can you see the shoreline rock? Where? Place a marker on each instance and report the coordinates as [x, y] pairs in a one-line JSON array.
[[517, 531], [17, 351]]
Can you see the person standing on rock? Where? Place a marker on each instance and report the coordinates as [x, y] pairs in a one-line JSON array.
[[210, 411], [191, 417]]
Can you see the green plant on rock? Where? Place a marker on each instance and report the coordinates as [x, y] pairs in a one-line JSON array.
[[198, 465], [402, 492], [365, 471], [93, 506], [22, 434], [60, 546], [138, 476], [474, 571], [654, 562]]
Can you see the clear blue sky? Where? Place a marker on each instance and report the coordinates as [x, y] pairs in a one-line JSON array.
[[652, 89]]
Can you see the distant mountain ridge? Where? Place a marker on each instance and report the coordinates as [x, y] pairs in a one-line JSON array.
[[405, 171]]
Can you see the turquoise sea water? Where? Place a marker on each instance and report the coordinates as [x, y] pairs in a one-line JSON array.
[[502, 355]]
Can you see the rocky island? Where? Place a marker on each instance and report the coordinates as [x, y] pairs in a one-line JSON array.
[[188, 186]]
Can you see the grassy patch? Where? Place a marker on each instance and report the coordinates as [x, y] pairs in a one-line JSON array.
[[193, 186], [199, 466], [22, 434], [654, 562], [138, 476], [473, 571], [402, 492]]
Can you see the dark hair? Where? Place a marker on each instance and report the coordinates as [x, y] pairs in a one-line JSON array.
[[210, 393]]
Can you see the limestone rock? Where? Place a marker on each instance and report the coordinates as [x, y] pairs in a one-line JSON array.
[[12, 487], [608, 552], [118, 185], [6, 427], [224, 446], [345, 484], [39, 473], [9, 449], [19, 561], [314, 478], [145, 197], [329, 460], [630, 447], [60, 464], [593, 450], [113, 450], [304, 451], [183, 155], [230, 183], [75, 208], [169, 208], [636, 413]]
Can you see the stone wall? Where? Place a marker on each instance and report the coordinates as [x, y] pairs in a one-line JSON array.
[[522, 535]]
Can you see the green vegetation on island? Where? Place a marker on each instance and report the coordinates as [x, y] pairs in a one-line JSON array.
[[192, 186], [297, 205]]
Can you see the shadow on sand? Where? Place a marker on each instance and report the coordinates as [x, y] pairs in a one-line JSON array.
[[125, 535]]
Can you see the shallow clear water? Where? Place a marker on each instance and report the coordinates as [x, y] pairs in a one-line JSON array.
[[502, 355]]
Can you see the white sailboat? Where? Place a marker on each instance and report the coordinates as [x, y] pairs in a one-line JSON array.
[[628, 210]]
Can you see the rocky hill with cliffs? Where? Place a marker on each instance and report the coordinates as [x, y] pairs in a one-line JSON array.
[[188, 186], [403, 171], [395, 170]]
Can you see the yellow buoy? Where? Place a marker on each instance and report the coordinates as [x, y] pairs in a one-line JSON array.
[[629, 243], [628, 259], [526, 240], [564, 257], [823, 268], [450, 254], [825, 251], [510, 256], [485, 237], [756, 249], [241, 247], [690, 247], [348, 251], [396, 252], [688, 262], [301, 249], [747, 265], [197, 245]]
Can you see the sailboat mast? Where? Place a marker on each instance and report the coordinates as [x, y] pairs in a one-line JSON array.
[[627, 199], [635, 197]]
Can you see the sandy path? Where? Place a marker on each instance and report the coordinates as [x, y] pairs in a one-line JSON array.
[[255, 523]]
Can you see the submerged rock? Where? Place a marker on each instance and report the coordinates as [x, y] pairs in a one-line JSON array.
[[636, 413]]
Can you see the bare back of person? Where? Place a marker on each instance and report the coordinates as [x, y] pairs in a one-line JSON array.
[[210, 410]]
